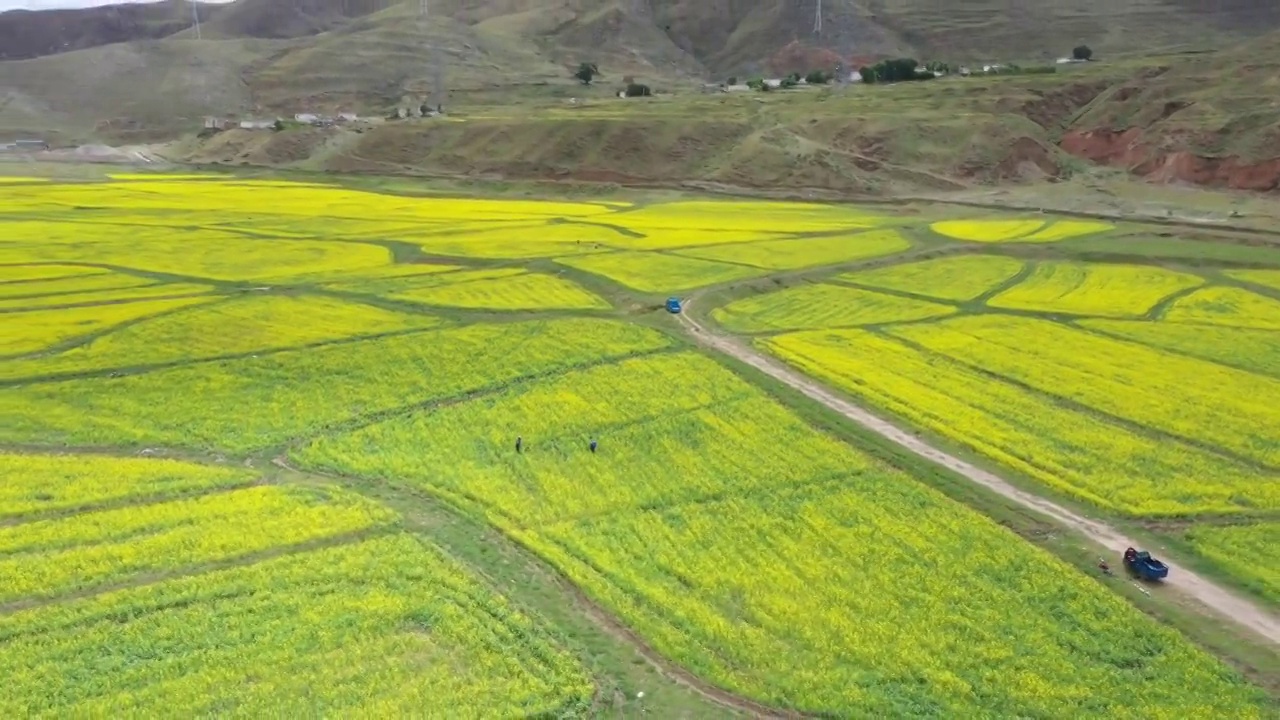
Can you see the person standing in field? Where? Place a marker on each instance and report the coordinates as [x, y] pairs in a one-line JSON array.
[[593, 445], [519, 444]]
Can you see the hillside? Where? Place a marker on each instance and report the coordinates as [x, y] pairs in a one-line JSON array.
[[26, 34], [1204, 119], [721, 36]]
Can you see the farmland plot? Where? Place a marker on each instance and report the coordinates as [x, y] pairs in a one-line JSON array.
[[822, 306], [1247, 551], [1072, 450], [1227, 306], [255, 323], [960, 278], [383, 627], [795, 253], [748, 547], [1235, 411], [649, 272], [205, 403], [35, 330], [1094, 289]]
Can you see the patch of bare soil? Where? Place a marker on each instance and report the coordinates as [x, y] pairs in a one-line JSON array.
[[1052, 110], [1130, 149]]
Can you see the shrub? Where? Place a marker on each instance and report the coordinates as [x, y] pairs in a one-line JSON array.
[[1082, 52], [638, 90], [817, 77]]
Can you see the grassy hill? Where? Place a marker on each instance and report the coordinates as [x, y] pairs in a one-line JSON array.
[[1209, 119]]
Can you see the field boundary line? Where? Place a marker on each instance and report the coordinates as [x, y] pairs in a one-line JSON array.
[[605, 620], [1217, 598]]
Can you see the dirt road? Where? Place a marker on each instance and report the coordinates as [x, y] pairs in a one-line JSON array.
[[1221, 601]]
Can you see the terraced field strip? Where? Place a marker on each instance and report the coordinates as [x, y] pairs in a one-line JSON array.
[[36, 484], [252, 324], [743, 544], [38, 273], [961, 278], [205, 402], [1022, 231], [383, 627], [796, 253], [1257, 351], [1228, 306], [36, 330], [1248, 550], [1219, 600], [1094, 289], [531, 291], [44, 559], [656, 273], [822, 306], [1235, 411]]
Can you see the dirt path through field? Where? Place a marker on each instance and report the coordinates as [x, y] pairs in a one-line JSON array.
[[1215, 597]]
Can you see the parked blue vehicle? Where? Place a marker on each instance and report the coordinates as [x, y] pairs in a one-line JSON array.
[[1145, 566], [673, 305]]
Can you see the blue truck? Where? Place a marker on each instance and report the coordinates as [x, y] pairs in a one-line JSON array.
[[673, 305], [1141, 563]]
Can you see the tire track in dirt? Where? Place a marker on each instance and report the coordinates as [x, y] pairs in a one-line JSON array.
[[1216, 598]]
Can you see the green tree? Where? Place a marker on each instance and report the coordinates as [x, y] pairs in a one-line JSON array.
[[587, 72], [817, 77], [1082, 52], [638, 90]]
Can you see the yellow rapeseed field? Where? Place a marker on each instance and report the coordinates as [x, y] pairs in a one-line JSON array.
[[822, 306], [380, 284], [987, 230], [1268, 278], [24, 273], [1234, 411], [260, 323], [1074, 451], [48, 558], [1026, 231], [1245, 348], [1228, 306], [70, 285], [382, 628], [528, 241], [750, 216], [99, 298], [1247, 551], [530, 291], [795, 253], [777, 562], [37, 330], [253, 403], [340, 329], [959, 278], [42, 483], [1094, 289], [658, 273]]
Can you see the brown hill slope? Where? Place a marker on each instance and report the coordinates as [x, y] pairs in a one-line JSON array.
[[26, 34]]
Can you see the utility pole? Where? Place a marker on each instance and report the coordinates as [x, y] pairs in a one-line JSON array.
[[817, 20], [195, 15]]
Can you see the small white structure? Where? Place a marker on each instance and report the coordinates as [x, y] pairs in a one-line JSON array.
[[257, 124], [308, 118], [347, 117]]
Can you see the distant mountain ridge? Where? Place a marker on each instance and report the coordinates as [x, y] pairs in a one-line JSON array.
[[719, 36]]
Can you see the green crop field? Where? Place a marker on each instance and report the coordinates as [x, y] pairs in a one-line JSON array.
[[261, 458]]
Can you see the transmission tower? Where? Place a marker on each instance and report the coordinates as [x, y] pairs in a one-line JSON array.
[[437, 94], [817, 20], [195, 15]]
